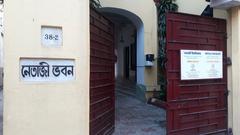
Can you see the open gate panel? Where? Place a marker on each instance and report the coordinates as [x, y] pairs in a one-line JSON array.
[[102, 96], [195, 107]]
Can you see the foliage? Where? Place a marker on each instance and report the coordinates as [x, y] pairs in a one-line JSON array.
[[163, 6], [95, 3]]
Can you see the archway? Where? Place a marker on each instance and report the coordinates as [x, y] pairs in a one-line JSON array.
[[139, 26], [146, 117]]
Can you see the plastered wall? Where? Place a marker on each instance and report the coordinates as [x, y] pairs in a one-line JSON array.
[[233, 70], [46, 108], [227, 15], [1, 45]]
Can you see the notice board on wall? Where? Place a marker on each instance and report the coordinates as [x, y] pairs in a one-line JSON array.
[[201, 64]]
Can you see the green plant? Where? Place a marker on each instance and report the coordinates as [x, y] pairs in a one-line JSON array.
[[163, 6], [95, 3]]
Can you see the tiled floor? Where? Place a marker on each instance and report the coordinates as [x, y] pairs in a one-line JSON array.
[[134, 117]]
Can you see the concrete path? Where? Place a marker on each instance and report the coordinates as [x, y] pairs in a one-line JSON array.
[[134, 117]]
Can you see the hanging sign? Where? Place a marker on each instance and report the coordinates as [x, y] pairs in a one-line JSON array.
[[46, 70], [199, 64]]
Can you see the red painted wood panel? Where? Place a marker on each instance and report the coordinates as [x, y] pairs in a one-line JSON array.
[[198, 106], [102, 98]]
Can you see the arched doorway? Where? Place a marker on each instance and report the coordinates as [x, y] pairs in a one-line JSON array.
[[130, 67], [129, 44]]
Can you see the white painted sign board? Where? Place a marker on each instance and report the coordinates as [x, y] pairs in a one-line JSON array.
[[47, 70], [201, 64], [51, 36]]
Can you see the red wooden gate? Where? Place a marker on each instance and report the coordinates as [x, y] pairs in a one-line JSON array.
[[102, 75], [196, 107]]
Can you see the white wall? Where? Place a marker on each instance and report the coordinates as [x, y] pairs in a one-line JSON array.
[[1, 45], [49, 108]]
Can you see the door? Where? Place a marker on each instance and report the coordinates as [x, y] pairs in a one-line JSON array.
[[102, 60], [126, 62], [195, 107]]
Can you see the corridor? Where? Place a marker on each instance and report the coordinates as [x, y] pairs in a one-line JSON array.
[[133, 117]]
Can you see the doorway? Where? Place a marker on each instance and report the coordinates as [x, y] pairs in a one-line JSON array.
[[132, 116], [193, 107], [126, 63]]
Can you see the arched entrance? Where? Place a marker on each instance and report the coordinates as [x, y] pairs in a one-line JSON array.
[[129, 50], [132, 115]]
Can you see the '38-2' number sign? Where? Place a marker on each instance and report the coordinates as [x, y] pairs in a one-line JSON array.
[[51, 36]]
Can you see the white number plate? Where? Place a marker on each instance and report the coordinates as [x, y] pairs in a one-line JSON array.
[[51, 36]]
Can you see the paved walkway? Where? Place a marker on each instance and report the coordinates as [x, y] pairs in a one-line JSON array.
[[134, 117]]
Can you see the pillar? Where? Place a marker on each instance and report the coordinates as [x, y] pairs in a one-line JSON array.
[[234, 100], [44, 39]]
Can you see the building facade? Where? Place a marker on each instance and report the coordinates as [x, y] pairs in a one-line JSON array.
[[137, 27]]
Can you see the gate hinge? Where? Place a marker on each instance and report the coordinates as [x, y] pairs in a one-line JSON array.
[[226, 93], [230, 132], [226, 36], [228, 61]]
